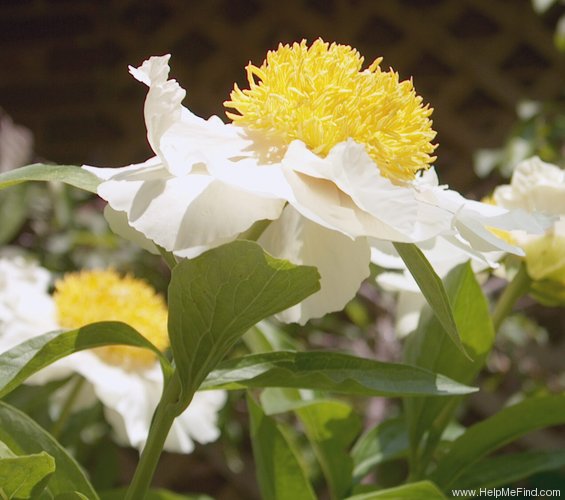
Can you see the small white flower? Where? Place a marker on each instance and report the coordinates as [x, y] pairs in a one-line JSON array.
[[127, 381], [326, 150]]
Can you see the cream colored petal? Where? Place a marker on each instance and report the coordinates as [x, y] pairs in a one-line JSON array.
[[197, 141], [408, 312], [474, 220], [384, 209], [128, 399], [118, 222], [535, 186], [178, 137], [474, 227], [248, 174], [163, 103], [343, 263], [180, 213], [200, 419]]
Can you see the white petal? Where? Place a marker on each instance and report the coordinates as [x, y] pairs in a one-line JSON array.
[[200, 419], [535, 186], [163, 103], [343, 263], [128, 398], [474, 227], [386, 211], [408, 311], [195, 140], [474, 220], [118, 222], [152, 166], [178, 137], [180, 213]]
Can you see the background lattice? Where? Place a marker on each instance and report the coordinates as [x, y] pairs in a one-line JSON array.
[[64, 63]]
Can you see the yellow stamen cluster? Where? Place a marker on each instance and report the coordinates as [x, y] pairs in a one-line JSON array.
[[321, 96], [90, 296]]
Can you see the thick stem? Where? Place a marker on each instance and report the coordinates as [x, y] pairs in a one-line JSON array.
[[515, 289], [160, 426], [255, 231]]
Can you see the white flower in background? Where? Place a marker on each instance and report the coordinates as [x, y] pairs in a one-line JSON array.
[[540, 186], [128, 381], [26, 309], [535, 187], [327, 151]]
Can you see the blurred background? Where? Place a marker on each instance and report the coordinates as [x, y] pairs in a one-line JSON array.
[[64, 63], [492, 70]]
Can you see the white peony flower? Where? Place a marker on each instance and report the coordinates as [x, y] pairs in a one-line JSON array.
[[328, 151], [26, 309], [540, 186], [535, 186], [128, 381]]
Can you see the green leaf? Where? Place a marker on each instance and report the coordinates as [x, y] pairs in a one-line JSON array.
[[72, 495], [216, 297], [157, 494], [490, 434], [276, 400], [25, 476], [430, 347], [509, 468], [12, 202], [423, 490], [431, 287], [384, 442], [330, 372], [27, 358], [69, 174], [279, 471], [24, 437], [331, 426]]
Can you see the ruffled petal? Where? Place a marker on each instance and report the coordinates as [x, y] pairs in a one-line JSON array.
[[535, 186], [181, 214], [163, 103], [180, 138], [343, 263], [474, 221], [118, 222], [385, 210], [199, 420]]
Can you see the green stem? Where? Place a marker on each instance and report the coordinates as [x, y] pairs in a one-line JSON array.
[[168, 257], [255, 231], [163, 419], [67, 407], [515, 289]]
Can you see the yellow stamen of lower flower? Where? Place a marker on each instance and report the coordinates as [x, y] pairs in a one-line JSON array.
[[321, 96], [90, 296]]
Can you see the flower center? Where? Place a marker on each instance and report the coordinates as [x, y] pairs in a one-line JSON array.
[[321, 96], [90, 296]]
